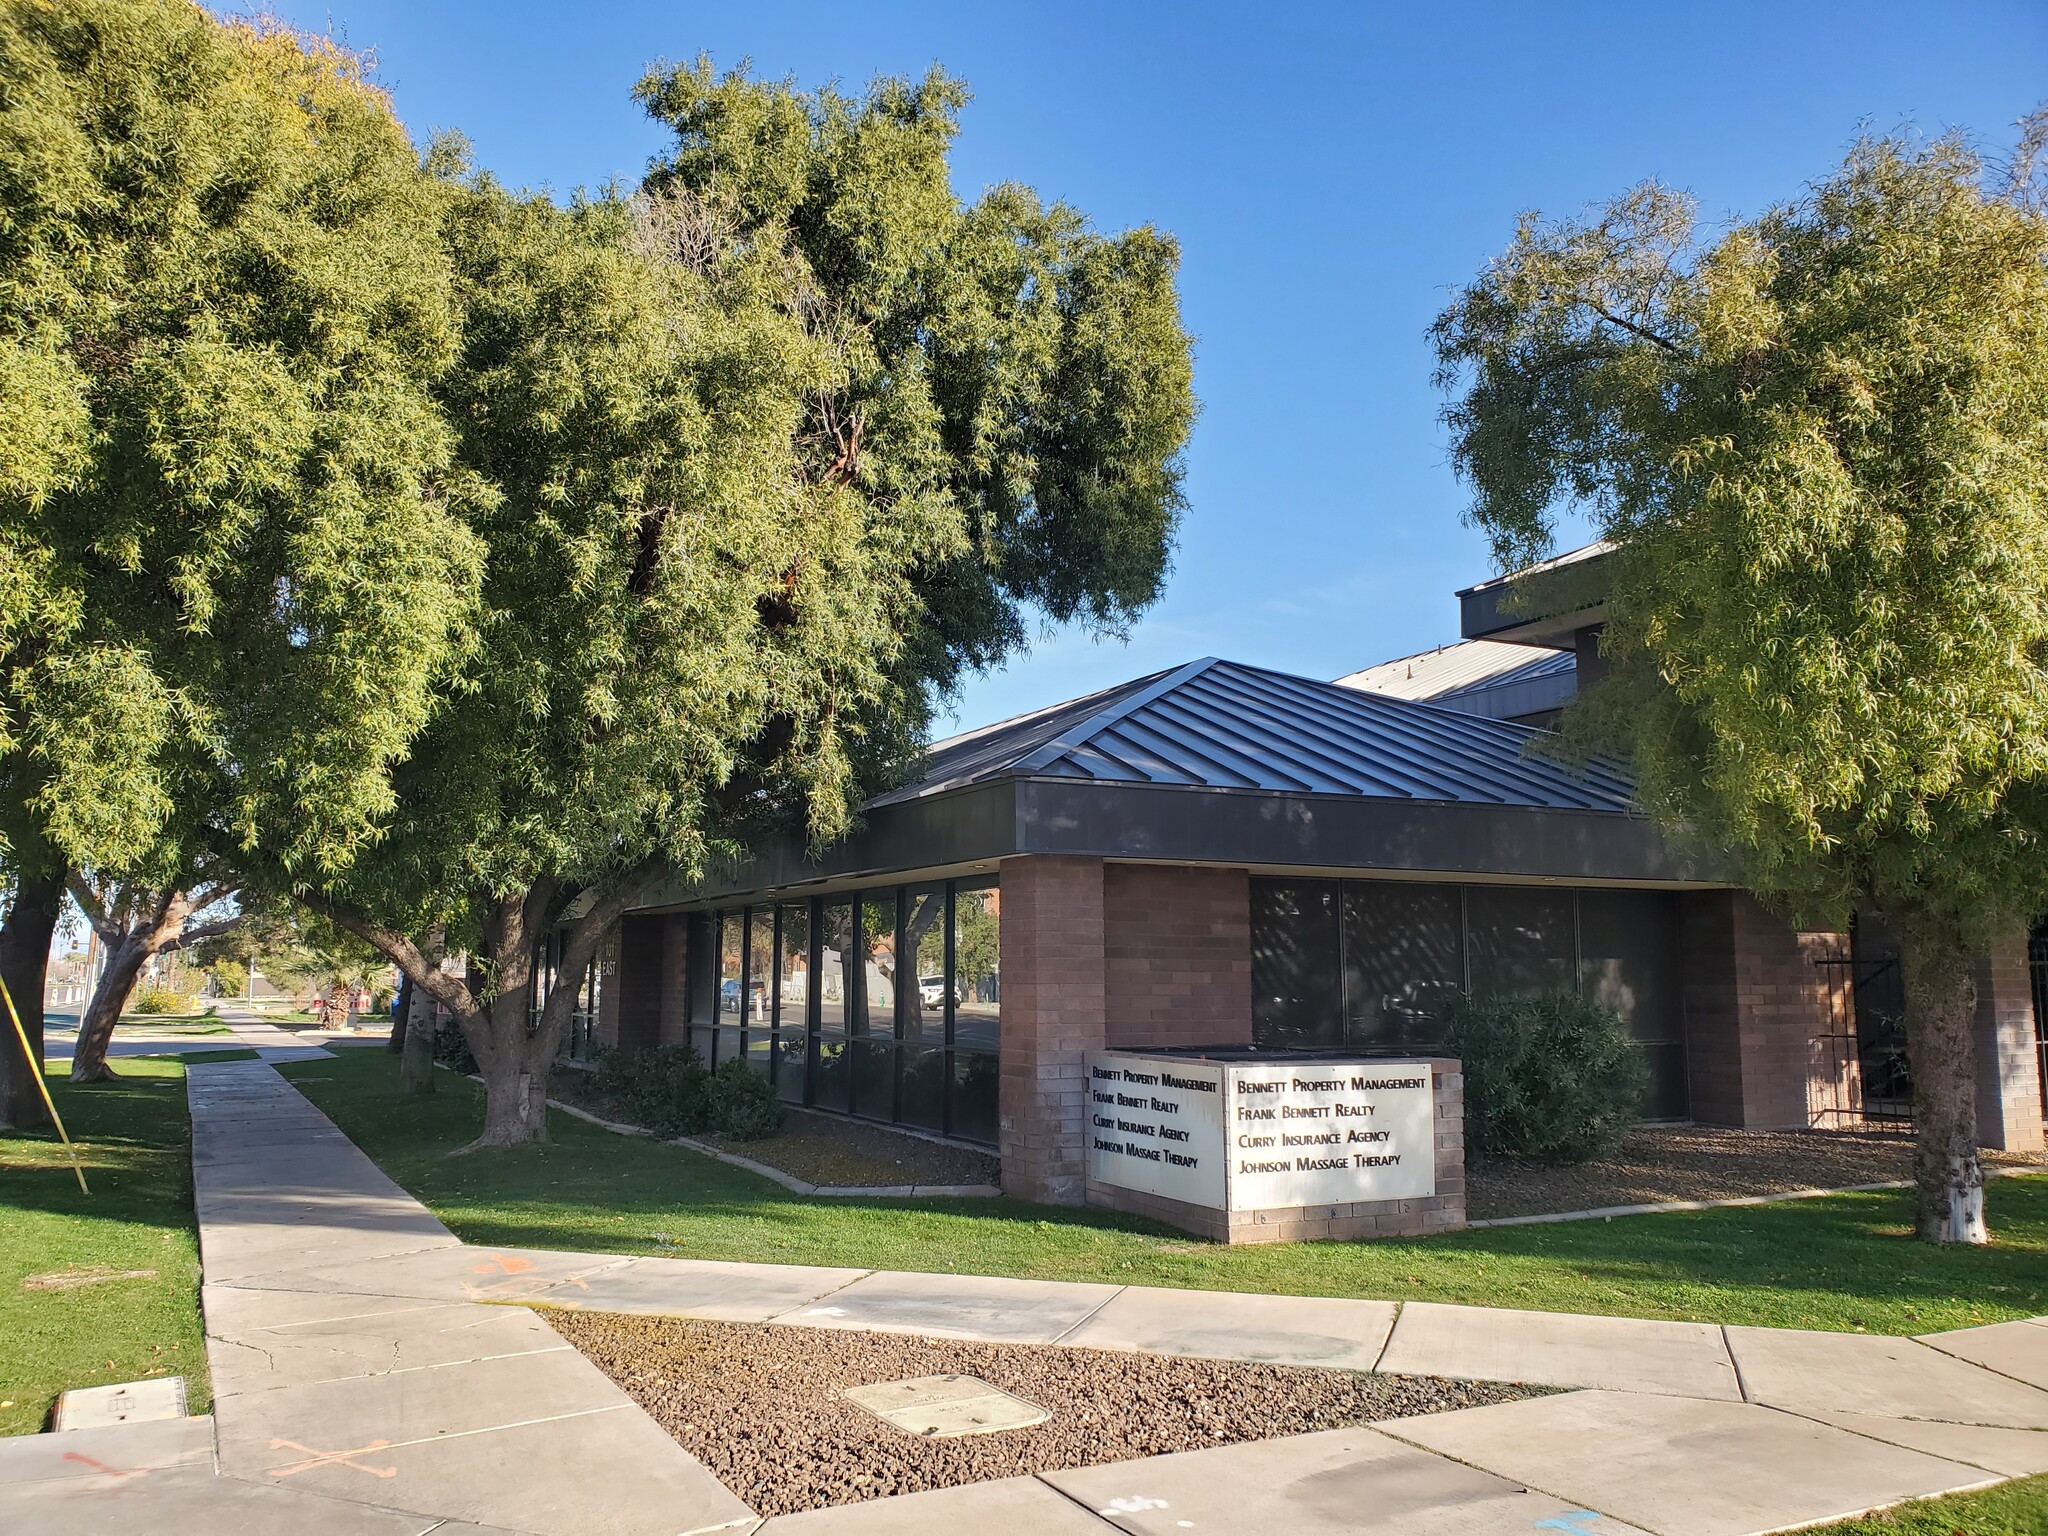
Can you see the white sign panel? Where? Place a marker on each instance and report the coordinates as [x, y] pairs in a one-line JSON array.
[[1156, 1125], [1328, 1133]]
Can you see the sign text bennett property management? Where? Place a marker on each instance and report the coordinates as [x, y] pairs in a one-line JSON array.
[[1261, 1136]]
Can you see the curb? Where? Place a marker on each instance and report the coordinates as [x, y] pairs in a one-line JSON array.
[[790, 1181], [1609, 1212]]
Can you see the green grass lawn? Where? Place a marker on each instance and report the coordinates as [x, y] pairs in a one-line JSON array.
[[134, 1140], [2014, 1509], [1843, 1262]]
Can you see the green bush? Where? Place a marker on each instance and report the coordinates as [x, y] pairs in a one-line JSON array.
[[743, 1103], [1552, 1078], [451, 1048], [152, 998], [666, 1089]]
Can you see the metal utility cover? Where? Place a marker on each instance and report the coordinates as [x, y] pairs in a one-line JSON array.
[[941, 1407], [130, 1402]]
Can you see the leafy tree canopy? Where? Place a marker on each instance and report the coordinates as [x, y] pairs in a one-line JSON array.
[[1819, 440], [228, 572]]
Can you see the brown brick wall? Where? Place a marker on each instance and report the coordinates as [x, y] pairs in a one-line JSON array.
[[638, 993], [2008, 1062], [1053, 1014], [1177, 956], [1754, 1000], [672, 1024]]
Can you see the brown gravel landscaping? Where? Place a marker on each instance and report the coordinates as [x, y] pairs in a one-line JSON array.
[[1659, 1163], [760, 1404]]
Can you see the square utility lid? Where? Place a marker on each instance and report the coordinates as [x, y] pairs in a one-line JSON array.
[[941, 1407]]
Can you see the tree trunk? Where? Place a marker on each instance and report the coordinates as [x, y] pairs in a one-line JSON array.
[[125, 960], [514, 1063], [1941, 1010], [401, 1011], [416, 1063], [24, 966]]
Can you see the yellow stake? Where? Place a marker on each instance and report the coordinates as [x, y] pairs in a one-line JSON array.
[[35, 1070]]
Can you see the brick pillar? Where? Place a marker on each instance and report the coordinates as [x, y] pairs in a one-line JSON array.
[[2008, 1062], [673, 1026], [1053, 1015], [1754, 1001], [639, 983]]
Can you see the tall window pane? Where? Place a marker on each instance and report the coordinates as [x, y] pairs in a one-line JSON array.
[[874, 1011], [792, 1001], [977, 967], [702, 991], [872, 1052], [760, 1044], [1521, 939], [838, 982], [732, 948], [837, 966], [1628, 961], [1401, 964], [1297, 1000], [924, 981]]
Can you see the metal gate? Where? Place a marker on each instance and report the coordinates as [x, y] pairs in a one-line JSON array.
[[1859, 1073]]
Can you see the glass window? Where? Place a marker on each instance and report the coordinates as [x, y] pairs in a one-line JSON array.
[[975, 1088], [874, 1078], [924, 991], [760, 967], [731, 952], [1402, 961], [977, 967], [1521, 939], [836, 966], [792, 1001], [702, 955], [874, 1010], [922, 1097], [1296, 992], [829, 1072], [1628, 961]]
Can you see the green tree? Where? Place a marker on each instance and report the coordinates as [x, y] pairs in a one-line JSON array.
[[136, 923], [1819, 440], [764, 457], [229, 571]]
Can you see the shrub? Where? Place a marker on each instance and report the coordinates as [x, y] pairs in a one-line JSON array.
[[1552, 1077], [152, 998], [665, 1089], [451, 1048], [743, 1103]]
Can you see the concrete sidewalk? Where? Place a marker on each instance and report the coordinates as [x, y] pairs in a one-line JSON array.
[[357, 1373]]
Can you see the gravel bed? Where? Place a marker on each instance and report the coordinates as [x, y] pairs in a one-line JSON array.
[[760, 1404], [1659, 1163], [837, 1149]]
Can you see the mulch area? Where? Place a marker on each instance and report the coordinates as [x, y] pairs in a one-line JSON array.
[[838, 1150], [821, 1149], [760, 1404], [1660, 1163]]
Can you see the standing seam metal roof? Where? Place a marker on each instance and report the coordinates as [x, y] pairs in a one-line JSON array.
[[1216, 724]]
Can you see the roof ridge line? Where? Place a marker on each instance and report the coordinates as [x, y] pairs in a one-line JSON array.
[[1074, 736]]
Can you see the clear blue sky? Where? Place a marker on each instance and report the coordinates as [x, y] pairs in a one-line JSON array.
[[1330, 171]]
